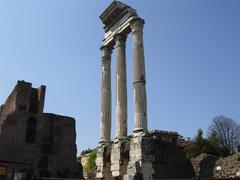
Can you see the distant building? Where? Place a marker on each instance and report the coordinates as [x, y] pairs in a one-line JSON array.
[[33, 143], [182, 142]]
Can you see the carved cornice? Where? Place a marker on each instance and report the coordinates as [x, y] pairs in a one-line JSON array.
[[114, 12]]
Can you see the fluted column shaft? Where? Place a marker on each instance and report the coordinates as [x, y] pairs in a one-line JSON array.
[[139, 84], [121, 87], [105, 130]]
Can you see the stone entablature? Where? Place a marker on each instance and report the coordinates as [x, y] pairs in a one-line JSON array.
[[117, 18]]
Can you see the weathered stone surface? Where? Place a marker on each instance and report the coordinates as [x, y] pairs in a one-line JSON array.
[[42, 144], [206, 165], [153, 158], [140, 164], [103, 162], [139, 79], [121, 88], [139, 160], [146, 157], [170, 161], [119, 158], [106, 98], [116, 19], [119, 20]]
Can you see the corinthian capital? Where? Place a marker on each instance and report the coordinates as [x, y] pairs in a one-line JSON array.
[[106, 52], [137, 25], [120, 39]]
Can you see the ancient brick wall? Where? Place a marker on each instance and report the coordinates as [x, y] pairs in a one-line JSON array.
[[23, 98], [58, 144], [8, 107], [41, 144], [169, 162]]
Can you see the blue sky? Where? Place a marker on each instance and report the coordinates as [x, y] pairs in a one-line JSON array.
[[192, 54]]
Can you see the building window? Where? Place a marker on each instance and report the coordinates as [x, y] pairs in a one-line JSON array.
[[33, 108], [31, 130]]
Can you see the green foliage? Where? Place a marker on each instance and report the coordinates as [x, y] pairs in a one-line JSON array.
[[91, 161], [86, 151], [129, 137], [201, 145], [199, 137]]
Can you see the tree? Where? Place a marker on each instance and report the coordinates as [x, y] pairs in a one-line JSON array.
[[226, 133], [201, 145], [200, 142]]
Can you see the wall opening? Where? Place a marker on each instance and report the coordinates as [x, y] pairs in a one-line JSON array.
[[31, 130]]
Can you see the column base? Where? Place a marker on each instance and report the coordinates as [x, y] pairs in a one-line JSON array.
[[122, 138], [139, 132], [104, 143]]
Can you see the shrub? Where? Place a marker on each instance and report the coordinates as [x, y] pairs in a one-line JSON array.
[[91, 161]]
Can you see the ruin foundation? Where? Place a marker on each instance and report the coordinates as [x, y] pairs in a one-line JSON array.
[[142, 158]]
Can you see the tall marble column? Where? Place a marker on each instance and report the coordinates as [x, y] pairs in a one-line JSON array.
[[105, 131], [139, 84], [121, 87]]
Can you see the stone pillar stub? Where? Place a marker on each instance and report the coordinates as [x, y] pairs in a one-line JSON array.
[[105, 129], [121, 87], [139, 84], [141, 161], [119, 158], [103, 163]]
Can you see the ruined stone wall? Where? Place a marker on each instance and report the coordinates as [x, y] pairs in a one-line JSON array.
[[8, 107], [12, 139], [58, 144], [22, 98], [170, 161], [167, 160], [41, 144], [206, 165], [52, 153]]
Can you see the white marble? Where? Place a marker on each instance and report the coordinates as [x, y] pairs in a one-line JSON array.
[[105, 126], [139, 84], [121, 87]]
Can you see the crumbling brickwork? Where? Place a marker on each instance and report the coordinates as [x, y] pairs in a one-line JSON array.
[[36, 143], [206, 165]]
